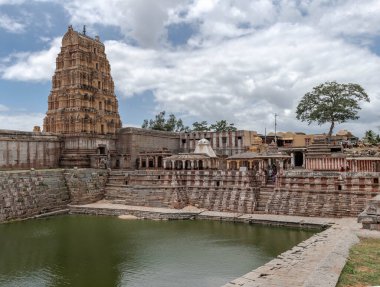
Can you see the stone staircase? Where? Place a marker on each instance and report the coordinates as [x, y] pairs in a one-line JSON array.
[[76, 158], [264, 195], [140, 188], [211, 190]]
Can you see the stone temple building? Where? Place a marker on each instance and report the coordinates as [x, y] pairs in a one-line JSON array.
[[82, 99]]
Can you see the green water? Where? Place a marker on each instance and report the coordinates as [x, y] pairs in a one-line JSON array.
[[106, 251]]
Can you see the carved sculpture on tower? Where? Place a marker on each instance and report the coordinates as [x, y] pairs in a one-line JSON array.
[[82, 99]]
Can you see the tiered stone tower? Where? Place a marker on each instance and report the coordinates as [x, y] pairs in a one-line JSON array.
[[82, 98]]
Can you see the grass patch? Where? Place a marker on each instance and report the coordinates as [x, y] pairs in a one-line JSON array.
[[363, 265]]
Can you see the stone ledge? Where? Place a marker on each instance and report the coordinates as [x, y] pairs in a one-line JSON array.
[[315, 262]]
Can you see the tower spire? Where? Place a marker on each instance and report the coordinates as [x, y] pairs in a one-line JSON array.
[[84, 29]]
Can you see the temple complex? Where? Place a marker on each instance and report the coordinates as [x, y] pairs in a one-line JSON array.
[[235, 171], [82, 99]]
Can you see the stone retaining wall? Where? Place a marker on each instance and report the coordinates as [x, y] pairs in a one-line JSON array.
[[316, 202], [25, 194], [327, 194], [213, 190], [85, 185]]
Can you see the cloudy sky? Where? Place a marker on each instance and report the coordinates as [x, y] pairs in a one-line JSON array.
[[242, 60]]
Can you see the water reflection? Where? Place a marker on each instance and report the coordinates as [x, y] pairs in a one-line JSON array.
[[106, 251]]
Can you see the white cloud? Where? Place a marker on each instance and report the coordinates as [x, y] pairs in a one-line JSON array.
[[142, 20], [248, 79], [247, 59], [11, 2], [23, 122], [31, 66], [11, 25], [348, 17], [146, 21]]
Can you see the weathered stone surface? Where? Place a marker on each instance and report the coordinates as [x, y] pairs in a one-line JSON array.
[[82, 99], [209, 189], [370, 217], [234, 191], [25, 194], [25, 150], [85, 185]]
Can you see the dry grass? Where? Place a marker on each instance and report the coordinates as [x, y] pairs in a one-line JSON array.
[[363, 266]]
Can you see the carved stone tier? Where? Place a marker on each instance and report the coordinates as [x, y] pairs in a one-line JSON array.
[[82, 99]]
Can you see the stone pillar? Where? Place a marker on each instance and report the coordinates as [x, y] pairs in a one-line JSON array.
[[292, 160], [173, 166], [147, 162], [303, 160], [164, 164], [140, 162], [192, 164], [281, 167], [155, 161]]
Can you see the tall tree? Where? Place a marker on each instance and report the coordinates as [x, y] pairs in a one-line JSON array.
[[222, 126], [200, 126], [160, 123], [332, 103]]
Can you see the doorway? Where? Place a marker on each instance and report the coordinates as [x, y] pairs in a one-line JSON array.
[[298, 159]]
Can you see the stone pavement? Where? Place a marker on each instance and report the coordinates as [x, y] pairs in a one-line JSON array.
[[315, 262]]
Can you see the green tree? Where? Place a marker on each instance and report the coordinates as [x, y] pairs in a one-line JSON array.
[[371, 137], [332, 103], [200, 126], [160, 123], [222, 126]]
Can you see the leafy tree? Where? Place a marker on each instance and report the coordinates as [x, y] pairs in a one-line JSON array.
[[200, 126], [222, 126], [160, 123], [332, 103], [371, 137]]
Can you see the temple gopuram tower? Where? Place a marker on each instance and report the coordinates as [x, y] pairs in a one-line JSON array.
[[82, 99]]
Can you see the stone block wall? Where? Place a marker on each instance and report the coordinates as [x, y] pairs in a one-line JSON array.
[[316, 203], [228, 199], [306, 194], [131, 141], [85, 185], [327, 194], [231, 191], [27, 193], [25, 150], [329, 181], [77, 149]]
